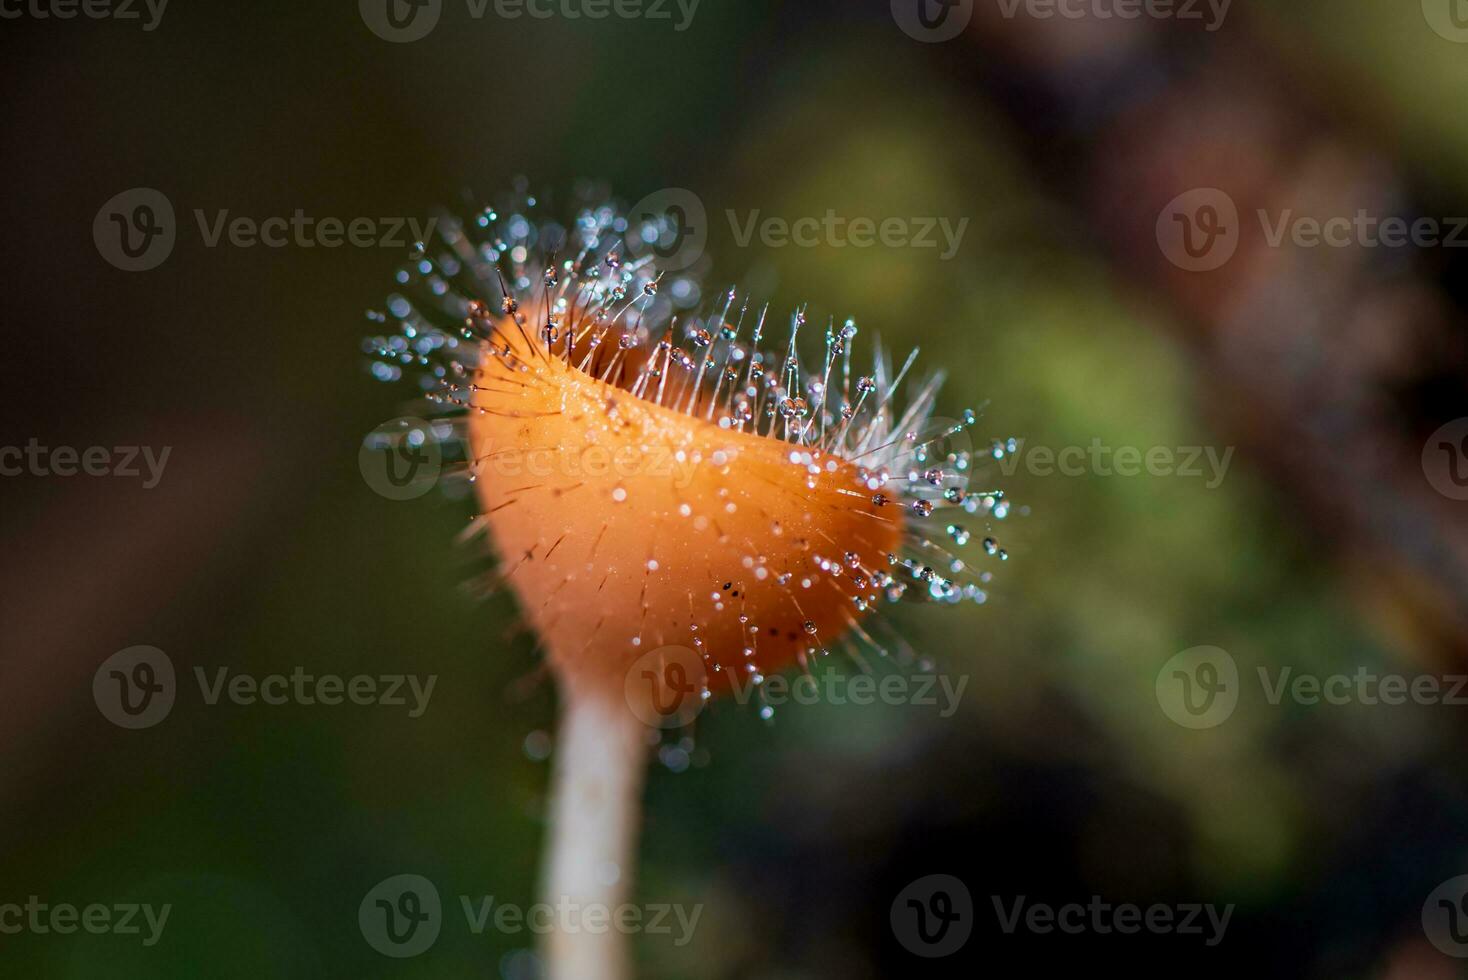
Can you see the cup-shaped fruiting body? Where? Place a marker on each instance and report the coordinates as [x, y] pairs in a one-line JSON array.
[[654, 475], [630, 522]]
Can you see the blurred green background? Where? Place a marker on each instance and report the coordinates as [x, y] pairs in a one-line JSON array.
[[262, 549]]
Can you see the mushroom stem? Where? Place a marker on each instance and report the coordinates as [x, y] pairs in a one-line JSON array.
[[596, 805]]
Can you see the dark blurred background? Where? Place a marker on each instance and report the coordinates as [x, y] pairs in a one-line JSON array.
[[1328, 546]]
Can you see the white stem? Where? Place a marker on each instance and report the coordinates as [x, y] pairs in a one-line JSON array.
[[596, 805]]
